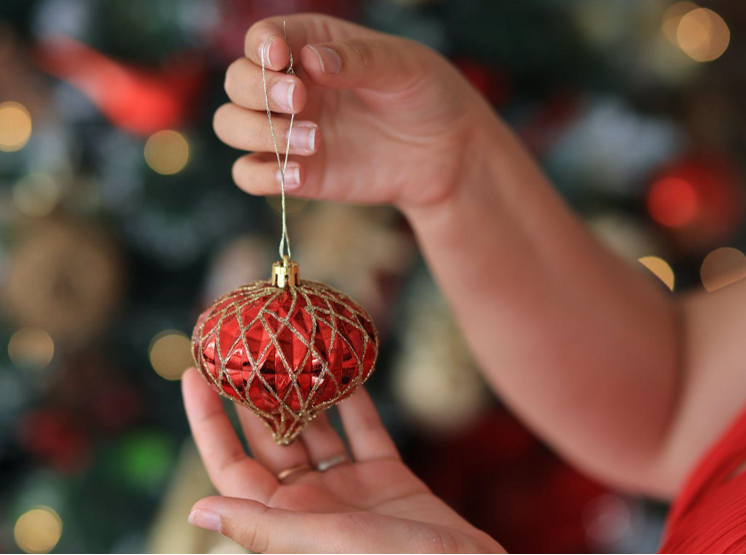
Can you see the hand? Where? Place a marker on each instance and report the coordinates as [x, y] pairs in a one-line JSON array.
[[380, 119], [371, 504]]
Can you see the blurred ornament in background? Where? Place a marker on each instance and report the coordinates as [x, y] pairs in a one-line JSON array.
[[170, 354], [142, 459], [358, 250], [36, 195], [660, 269], [137, 100], [435, 377], [624, 235], [53, 437], [673, 202], [723, 267], [607, 520], [167, 152], [612, 147], [698, 199], [31, 348], [493, 85], [38, 530], [15, 126], [240, 261], [64, 278], [672, 18]]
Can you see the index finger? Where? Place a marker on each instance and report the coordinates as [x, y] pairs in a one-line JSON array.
[[231, 471], [302, 29], [368, 439]]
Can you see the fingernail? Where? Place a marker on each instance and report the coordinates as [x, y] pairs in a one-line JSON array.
[[303, 137], [282, 94], [330, 60], [292, 176], [264, 50], [205, 519]]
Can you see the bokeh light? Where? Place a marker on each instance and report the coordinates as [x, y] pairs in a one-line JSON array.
[[722, 267], [167, 152], [31, 347], [15, 126], [38, 530], [673, 202], [703, 35], [36, 195], [171, 354], [660, 268], [672, 17]]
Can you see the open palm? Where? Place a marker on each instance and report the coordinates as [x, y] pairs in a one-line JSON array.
[[392, 118], [369, 503]]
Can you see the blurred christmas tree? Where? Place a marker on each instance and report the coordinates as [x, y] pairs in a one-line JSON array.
[[120, 221]]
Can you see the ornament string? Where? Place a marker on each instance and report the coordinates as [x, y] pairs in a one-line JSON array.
[[285, 239]]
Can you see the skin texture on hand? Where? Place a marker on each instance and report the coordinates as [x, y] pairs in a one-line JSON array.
[[605, 366], [372, 504]]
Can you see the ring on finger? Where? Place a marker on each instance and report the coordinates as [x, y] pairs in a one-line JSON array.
[[331, 462], [288, 472]]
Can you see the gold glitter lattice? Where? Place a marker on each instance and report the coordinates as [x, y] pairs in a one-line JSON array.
[[285, 354]]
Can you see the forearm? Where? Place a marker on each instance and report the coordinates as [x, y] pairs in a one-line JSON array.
[[577, 342]]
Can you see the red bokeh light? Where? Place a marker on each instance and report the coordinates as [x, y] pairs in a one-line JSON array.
[[673, 202]]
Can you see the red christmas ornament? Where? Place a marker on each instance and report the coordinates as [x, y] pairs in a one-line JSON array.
[[286, 349]]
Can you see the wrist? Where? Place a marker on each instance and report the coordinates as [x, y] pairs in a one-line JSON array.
[[475, 171], [476, 188]]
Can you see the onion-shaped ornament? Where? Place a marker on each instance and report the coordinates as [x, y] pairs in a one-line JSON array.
[[285, 349]]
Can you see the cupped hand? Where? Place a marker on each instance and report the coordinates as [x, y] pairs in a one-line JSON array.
[[379, 119], [369, 502]]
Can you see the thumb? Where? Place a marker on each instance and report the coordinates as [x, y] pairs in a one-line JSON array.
[[385, 64], [262, 529]]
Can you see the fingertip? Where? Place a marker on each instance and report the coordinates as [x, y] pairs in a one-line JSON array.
[[275, 52], [187, 378], [299, 97], [311, 62]]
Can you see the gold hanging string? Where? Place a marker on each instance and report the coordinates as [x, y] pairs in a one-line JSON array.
[[285, 239]]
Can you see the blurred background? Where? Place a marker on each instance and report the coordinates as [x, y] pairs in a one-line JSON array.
[[119, 223]]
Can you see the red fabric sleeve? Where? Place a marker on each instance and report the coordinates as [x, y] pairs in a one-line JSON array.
[[709, 515]]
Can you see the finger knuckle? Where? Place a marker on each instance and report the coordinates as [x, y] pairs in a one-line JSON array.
[[255, 534], [361, 54]]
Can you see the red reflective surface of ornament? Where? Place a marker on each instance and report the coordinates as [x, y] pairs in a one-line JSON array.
[[286, 354]]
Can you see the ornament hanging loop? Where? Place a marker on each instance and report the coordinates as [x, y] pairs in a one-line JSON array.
[[285, 239]]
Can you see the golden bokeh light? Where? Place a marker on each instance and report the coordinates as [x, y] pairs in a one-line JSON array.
[[171, 354], [31, 347], [702, 35], [38, 530], [167, 152], [36, 195], [672, 17], [660, 268], [292, 205], [722, 267], [15, 126]]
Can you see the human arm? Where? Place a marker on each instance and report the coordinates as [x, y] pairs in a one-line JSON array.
[[616, 374]]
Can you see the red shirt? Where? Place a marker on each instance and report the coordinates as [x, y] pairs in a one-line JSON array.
[[710, 514]]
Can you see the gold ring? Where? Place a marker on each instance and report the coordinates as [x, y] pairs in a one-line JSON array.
[[293, 470], [331, 462]]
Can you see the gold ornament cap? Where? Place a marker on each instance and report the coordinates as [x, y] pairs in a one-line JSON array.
[[285, 273]]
